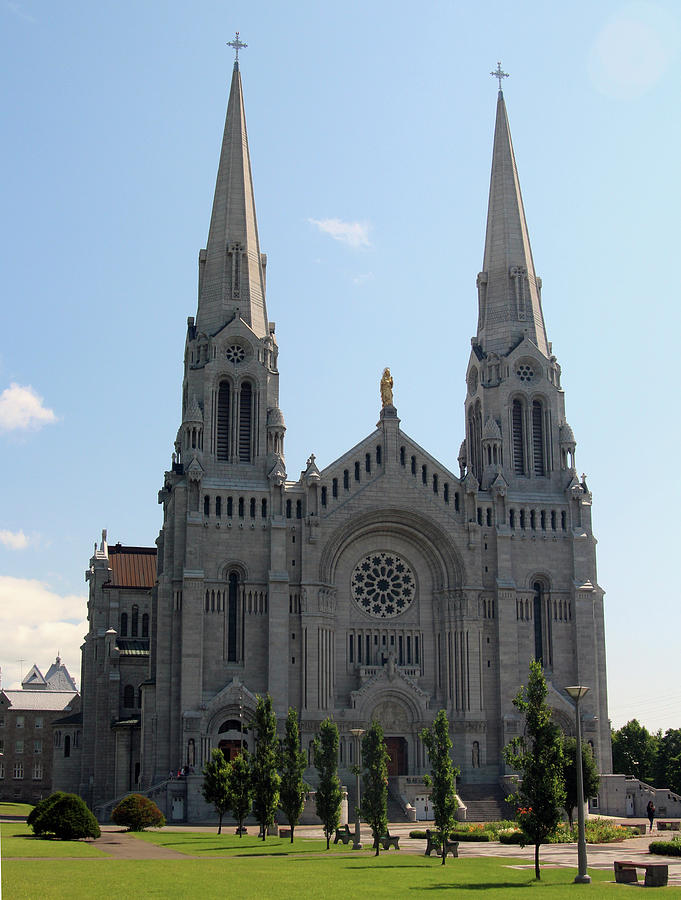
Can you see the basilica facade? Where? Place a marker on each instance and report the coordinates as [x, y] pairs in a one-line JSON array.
[[385, 585]]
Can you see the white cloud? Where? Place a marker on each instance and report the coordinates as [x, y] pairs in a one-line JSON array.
[[22, 408], [355, 234], [15, 540], [363, 278], [35, 624]]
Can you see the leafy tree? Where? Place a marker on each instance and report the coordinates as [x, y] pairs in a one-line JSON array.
[[264, 778], [239, 789], [633, 751], [137, 812], [65, 816], [538, 756], [328, 795], [292, 764], [214, 787], [375, 780], [589, 772], [443, 778], [668, 760]]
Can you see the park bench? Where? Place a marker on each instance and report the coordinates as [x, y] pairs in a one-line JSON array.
[[657, 874], [387, 840], [344, 834], [668, 825], [450, 846]]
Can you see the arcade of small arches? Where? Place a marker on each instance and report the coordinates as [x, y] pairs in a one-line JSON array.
[[133, 623]]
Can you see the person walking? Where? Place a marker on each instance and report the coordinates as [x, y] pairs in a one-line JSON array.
[[650, 812]]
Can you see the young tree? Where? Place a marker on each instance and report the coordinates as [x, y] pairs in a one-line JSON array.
[[214, 787], [328, 795], [375, 778], [292, 764], [239, 788], [538, 756], [591, 779], [443, 778], [264, 778], [668, 760]]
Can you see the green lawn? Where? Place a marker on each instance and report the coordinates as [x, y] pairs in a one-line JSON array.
[[18, 840], [14, 809], [391, 876], [197, 843]]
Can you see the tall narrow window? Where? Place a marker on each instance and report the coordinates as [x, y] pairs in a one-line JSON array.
[[518, 439], [252, 507], [245, 415], [135, 619], [538, 438], [206, 505], [232, 616], [129, 696], [367, 462], [218, 506], [538, 624], [230, 507], [145, 625], [299, 509], [356, 471], [263, 508], [224, 397], [124, 624], [323, 496], [346, 480], [379, 455], [241, 507]]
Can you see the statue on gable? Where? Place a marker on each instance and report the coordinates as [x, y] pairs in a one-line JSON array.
[[386, 388]]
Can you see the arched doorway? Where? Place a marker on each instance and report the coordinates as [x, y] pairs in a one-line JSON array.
[[397, 728], [231, 737]]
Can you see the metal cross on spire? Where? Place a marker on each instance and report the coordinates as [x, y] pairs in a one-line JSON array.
[[499, 73], [237, 45]]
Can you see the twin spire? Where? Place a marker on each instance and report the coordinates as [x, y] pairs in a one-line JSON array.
[[509, 290], [231, 268]]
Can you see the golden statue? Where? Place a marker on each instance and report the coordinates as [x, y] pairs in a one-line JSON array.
[[387, 388]]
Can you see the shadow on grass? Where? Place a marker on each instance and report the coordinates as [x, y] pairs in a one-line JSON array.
[[481, 886]]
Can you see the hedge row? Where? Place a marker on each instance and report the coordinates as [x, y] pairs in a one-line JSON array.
[[666, 848]]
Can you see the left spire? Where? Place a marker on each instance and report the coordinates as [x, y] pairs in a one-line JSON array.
[[231, 275]]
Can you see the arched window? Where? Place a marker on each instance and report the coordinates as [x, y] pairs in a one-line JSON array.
[[245, 417], [252, 507], [288, 509], [542, 625], [206, 505], [379, 455], [263, 508], [218, 506], [346, 479], [323, 496], [230, 507], [475, 438], [135, 620], [334, 487], [129, 696], [232, 616], [67, 745], [356, 471], [241, 507], [224, 401], [402, 456], [299, 509], [518, 438], [145, 625], [538, 451], [124, 624]]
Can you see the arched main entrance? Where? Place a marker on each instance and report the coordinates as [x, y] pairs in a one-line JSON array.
[[231, 738]]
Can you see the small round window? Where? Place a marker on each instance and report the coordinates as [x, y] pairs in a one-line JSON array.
[[525, 372], [235, 353]]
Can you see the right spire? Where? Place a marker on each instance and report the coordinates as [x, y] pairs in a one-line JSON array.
[[509, 291]]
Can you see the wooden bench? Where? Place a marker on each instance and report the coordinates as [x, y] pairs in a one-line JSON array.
[[343, 834], [668, 825], [657, 874], [387, 841], [450, 846]]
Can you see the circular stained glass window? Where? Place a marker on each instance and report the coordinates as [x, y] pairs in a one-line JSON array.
[[383, 585], [235, 353], [525, 372]]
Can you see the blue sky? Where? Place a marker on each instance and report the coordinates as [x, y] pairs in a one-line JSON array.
[[379, 118]]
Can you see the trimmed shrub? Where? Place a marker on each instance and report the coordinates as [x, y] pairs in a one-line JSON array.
[[513, 837], [137, 812], [66, 817], [666, 848], [470, 836]]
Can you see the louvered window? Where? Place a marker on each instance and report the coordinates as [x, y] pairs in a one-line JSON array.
[[245, 416], [223, 421], [518, 439], [232, 617], [538, 438]]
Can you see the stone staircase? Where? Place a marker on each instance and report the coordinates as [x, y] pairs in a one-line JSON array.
[[484, 802]]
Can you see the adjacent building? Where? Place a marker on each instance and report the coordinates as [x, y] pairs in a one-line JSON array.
[[385, 584]]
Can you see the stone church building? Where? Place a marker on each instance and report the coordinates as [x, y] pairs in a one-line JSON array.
[[385, 584]]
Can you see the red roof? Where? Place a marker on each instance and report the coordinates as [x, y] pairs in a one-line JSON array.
[[132, 567]]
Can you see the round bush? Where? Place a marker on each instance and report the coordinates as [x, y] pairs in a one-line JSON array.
[[66, 817], [137, 812]]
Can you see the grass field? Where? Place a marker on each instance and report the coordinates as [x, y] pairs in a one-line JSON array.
[[197, 843], [334, 876], [18, 840], [14, 809]]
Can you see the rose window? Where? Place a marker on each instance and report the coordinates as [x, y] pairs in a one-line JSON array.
[[235, 353], [525, 372], [383, 585]]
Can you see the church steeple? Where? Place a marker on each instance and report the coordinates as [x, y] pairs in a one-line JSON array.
[[231, 268], [508, 288]]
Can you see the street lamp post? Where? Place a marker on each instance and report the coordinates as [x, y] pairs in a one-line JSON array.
[[578, 691], [357, 734]]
